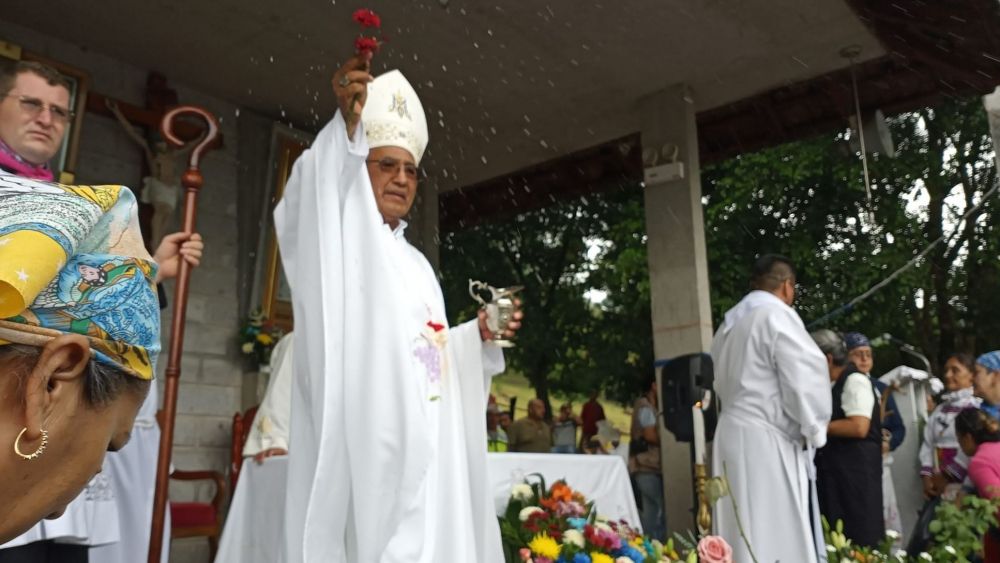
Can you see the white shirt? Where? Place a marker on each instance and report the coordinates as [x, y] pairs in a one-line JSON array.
[[858, 397]]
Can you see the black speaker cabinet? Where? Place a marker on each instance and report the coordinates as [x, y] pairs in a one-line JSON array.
[[683, 381]]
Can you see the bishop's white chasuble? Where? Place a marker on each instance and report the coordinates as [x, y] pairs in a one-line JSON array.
[[387, 451]]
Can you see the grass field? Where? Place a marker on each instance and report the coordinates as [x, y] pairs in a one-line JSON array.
[[516, 385]]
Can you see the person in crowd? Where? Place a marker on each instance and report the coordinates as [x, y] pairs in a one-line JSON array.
[[942, 463], [505, 421], [79, 339], [644, 460], [986, 382], [564, 430], [979, 437], [34, 115], [773, 386], [590, 414], [849, 466], [859, 353], [496, 437], [388, 433], [531, 433]]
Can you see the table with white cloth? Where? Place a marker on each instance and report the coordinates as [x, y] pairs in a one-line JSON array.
[[603, 479], [253, 528]]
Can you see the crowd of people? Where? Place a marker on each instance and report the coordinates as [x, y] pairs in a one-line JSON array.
[[805, 430], [565, 433], [825, 429]]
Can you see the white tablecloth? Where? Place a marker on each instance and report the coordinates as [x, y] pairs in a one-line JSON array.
[[254, 525], [603, 479]]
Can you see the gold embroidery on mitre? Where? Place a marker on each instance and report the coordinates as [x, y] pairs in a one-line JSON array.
[[381, 133], [399, 106]]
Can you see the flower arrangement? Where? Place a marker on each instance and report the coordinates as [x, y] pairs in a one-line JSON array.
[[367, 19], [559, 525], [258, 337], [958, 529]]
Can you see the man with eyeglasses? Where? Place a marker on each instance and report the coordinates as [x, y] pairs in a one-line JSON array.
[[774, 392], [34, 116], [387, 458]]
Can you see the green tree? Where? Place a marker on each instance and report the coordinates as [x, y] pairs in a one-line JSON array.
[[568, 342], [807, 200], [804, 199]]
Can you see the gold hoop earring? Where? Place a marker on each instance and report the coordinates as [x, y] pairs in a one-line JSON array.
[[36, 453]]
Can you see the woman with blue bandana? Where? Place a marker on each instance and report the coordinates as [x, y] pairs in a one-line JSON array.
[[986, 382], [76, 359], [859, 352]]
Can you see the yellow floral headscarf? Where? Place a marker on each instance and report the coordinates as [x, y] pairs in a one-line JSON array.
[[72, 260]]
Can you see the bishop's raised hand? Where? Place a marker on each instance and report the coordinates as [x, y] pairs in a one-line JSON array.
[[350, 85]]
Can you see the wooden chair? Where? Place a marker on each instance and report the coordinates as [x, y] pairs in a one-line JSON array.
[[242, 424], [199, 519]]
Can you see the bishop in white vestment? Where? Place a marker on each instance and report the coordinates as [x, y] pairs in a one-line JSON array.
[[388, 436], [774, 391]]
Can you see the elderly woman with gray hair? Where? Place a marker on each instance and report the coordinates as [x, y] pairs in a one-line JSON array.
[[849, 467]]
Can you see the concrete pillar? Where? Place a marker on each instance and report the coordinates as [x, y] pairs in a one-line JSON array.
[[422, 230], [678, 268]]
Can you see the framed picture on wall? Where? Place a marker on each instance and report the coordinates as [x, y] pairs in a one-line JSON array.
[[64, 162], [276, 298]]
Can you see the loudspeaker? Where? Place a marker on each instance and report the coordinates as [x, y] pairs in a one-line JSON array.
[[878, 138], [683, 382]]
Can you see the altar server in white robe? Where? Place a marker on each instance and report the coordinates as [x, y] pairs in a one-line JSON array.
[[774, 391], [388, 437], [269, 432], [132, 474]]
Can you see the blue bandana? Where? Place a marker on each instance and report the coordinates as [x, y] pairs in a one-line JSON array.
[[990, 360], [856, 340]]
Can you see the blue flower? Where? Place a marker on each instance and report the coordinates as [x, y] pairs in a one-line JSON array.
[[577, 523], [630, 552], [581, 558]]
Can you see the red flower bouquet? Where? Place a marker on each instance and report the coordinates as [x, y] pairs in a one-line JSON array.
[[367, 19]]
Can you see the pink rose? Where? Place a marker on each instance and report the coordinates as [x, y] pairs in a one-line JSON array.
[[714, 549], [525, 554]]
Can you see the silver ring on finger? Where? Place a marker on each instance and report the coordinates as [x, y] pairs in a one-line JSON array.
[[344, 81]]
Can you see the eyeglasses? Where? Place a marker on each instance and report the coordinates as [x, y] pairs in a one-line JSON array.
[[389, 165], [34, 107]]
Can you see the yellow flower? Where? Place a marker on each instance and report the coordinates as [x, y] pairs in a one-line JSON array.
[[544, 545], [596, 557], [265, 339]]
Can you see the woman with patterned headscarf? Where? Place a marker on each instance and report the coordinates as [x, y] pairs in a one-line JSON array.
[[79, 337]]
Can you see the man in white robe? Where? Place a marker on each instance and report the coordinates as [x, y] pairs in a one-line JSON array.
[[388, 437], [774, 391]]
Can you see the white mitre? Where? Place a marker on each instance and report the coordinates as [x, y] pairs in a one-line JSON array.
[[393, 115]]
